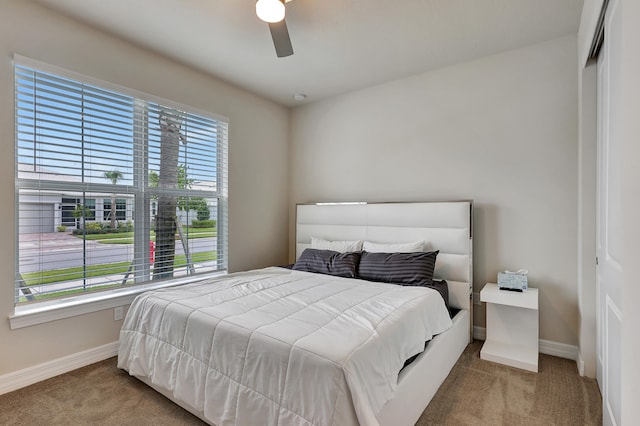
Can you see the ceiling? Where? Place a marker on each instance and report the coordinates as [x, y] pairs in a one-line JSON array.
[[339, 45]]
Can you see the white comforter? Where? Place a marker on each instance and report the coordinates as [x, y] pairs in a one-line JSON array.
[[279, 347]]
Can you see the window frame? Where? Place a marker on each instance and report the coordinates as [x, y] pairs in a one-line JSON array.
[[49, 310]]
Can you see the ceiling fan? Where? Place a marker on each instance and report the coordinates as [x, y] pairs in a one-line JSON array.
[[272, 12]]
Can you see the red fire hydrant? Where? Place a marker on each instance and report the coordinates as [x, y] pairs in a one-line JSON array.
[[152, 251]]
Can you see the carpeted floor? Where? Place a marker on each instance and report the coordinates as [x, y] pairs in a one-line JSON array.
[[475, 393], [480, 392]]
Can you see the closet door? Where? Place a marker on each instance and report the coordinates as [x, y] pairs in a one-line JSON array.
[[609, 219]]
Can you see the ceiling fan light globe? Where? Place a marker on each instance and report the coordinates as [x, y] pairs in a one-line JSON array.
[[270, 10]]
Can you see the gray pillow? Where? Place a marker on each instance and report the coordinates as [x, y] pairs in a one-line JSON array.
[[328, 262], [398, 268]]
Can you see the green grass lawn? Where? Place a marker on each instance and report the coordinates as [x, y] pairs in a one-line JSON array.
[[127, 237], [59, 275], [77, 273]]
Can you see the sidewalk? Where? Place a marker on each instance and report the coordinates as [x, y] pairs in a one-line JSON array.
[[52, 240]]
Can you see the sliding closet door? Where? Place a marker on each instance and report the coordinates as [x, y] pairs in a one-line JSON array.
[[609, 219]]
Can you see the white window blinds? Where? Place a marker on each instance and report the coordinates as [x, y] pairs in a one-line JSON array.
[[113, 188]]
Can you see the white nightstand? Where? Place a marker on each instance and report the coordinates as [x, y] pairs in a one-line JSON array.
[[512, 327]]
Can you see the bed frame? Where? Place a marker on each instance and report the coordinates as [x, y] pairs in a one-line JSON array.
[[444, 226]]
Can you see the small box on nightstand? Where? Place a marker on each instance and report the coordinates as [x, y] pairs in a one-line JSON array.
[[516, 281]]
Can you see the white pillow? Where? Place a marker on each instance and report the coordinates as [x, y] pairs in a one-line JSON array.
[[413, 247], [339, 246]]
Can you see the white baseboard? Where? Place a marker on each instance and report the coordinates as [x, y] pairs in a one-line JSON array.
[[546, 347], [37, 373], [561, 350]]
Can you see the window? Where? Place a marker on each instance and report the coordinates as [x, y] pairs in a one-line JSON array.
[[114, 188], [89, 208], [120, 211]]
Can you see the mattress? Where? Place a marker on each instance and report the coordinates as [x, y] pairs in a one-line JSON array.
[[279, 347]]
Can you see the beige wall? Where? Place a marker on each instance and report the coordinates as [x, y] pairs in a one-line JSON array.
[[258, 157], [502, 130]]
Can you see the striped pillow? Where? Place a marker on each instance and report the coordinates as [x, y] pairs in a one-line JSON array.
[[398, 268], [328, 262]]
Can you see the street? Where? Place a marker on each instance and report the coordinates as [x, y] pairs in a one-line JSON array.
[[60, 250]]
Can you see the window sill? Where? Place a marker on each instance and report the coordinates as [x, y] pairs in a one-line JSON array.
[[43, 312]]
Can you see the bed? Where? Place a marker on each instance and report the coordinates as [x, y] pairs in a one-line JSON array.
[[280, 346]]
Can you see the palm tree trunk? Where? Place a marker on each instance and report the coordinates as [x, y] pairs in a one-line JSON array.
[[113, 211], [165, 226]]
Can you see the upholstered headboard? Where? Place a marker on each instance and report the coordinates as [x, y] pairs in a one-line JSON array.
[[444, 226]]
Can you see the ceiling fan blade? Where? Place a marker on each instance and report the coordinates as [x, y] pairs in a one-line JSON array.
[[281, 40]]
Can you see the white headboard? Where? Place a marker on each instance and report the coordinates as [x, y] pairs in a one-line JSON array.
[[444, 226]]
